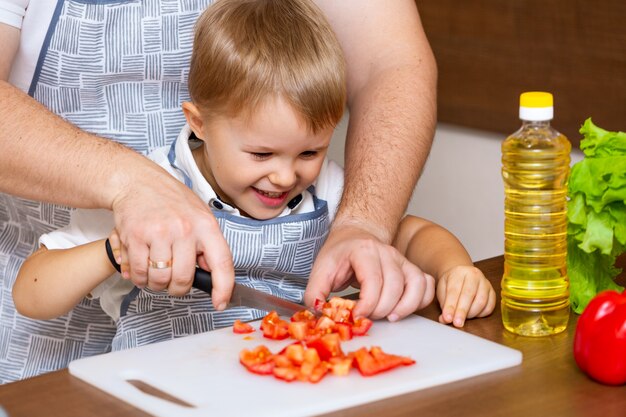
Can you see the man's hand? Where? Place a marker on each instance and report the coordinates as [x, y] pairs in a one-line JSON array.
[[164, 229], [391, 286]]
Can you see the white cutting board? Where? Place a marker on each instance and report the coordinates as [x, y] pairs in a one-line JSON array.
[[204, 370]]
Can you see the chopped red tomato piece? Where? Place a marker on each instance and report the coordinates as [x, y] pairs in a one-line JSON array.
[[240, 327], [361, 326], [317, 350], [327, 346], [376, 361], [298, 330], [338, 302], [318, 372], [295, 353], [388, 358], [299, 362], [287, 373], [344, 330], [340, 366], [303, 316], [325, 324], [338, 309], [258, 360], [274, 327]]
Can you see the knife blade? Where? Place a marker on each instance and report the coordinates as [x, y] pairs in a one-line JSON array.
[[241, 296]]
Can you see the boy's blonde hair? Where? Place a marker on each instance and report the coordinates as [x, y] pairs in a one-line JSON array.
[[248, 50]]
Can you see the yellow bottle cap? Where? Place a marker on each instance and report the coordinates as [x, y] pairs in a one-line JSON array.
[[536, 99], [536, 106]]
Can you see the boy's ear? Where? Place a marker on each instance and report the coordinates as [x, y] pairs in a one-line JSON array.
[[194, 118]]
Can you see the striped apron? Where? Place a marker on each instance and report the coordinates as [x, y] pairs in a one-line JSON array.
[[117, 68], [273, 256]]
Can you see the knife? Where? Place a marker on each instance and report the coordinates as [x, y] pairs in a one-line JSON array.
[[241, 296]]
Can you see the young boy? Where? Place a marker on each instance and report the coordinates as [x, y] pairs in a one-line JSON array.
[[267, 86]]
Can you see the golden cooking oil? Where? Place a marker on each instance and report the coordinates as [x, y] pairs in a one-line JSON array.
[[535, 170]]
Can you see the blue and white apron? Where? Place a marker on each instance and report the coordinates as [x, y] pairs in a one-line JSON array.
[[117, 68], [274, 256]]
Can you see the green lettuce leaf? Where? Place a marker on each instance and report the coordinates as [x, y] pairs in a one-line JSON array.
[[596, 230], [589, 273]]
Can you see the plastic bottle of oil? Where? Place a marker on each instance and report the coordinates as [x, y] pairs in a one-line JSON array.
[[535, 169]]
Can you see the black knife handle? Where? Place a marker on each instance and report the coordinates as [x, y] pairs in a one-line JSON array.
[[201, 278]]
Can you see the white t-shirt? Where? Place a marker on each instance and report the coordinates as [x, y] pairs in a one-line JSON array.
[[89, 225], [12, 12], [34, 20]]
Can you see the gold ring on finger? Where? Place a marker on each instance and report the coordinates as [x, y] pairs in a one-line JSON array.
[[159, 264]]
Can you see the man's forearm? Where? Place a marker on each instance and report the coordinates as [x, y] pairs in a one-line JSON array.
[[392, 122], [45, 158], [392, 83]]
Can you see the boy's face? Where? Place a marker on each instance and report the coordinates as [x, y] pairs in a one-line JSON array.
[[258, 164]]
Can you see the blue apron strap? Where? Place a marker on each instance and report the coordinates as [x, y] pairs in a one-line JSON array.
[[171, 157]]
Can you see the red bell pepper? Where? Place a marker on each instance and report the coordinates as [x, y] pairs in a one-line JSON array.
[[600, 340]]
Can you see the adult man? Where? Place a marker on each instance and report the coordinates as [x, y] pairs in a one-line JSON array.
[[116, 70]]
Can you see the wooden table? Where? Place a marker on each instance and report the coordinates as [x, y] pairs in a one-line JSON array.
[[548, 383]]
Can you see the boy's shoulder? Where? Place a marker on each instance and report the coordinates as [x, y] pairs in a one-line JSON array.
[[330, 177], [161, 157], [329, 185]]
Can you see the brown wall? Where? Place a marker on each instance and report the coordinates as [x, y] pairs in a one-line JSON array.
[[489, 51]]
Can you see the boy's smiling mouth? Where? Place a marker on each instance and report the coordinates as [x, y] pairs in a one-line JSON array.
[[270, 198]]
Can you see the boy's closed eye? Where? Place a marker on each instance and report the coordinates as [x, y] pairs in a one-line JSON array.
[[261, 155], [266, 155], [308, 154]]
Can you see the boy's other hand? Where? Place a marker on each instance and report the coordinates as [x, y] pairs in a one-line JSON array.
[[390, 285], [464, 292]]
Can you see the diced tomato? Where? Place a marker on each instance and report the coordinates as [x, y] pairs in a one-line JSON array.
[[306, 370], [343, 315], [240, 327], [288, 373], [298, 330], [318, 372], [321, 348], [327, 346], [295, 353], [274, 327], [338, 309], [276, 332], [271, 318], [344, 330], [281, 361], [311, 335], [325, 324], [340, 366], [298, 362], [319, 305], [317, 350], [361, 326], [338, 302], [311, 356], [258, 360], [394, 360], [303, 316], [365, 362], [376, 361]]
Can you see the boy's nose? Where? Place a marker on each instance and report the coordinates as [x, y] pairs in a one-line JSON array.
[[283, 178]]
